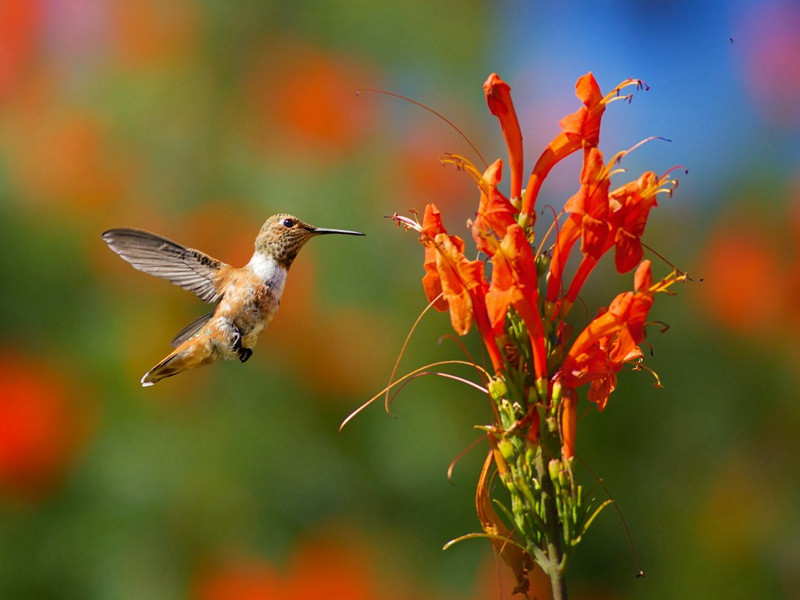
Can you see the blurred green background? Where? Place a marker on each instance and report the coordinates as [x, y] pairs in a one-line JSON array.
[[197, 119]]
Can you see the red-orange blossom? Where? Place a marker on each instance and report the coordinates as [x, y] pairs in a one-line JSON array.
[[599, 217], [538, 367]]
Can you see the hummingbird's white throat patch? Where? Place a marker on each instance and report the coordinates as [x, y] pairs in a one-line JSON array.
[[269, 271]]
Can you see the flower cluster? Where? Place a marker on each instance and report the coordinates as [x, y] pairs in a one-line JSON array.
[[519, 298]]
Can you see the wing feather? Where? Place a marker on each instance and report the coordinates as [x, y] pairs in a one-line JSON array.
[[155, 255], [188, 331]]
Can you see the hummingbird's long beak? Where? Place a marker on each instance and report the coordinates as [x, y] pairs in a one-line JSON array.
[[323, 231]]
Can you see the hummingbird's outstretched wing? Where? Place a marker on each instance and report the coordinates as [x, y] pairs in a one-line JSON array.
[[188, 331], [185, 267]]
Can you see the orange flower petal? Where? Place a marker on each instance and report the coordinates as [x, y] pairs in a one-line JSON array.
[[569, 422], [495, 212], [498, 97]]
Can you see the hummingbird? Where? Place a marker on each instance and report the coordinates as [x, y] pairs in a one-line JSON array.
[[247, 297]]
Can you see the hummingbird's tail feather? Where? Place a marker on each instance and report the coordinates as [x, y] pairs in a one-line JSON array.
[[166, 368], [187, 356]]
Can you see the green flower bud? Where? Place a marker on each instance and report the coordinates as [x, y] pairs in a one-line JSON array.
[[552, 426], [497, 389], [533, 397], [557, 391], [506, 449], [530, 454], [542, 264], [563, 477], [554, 468]]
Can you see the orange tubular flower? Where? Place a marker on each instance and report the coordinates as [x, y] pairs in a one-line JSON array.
[[533, 391], [454, 273], [591, 204], [495, 212], [514, 284], [628, 209], [431, 227], [498, 97], [630, 206], [611, 339], [569, 423], [589, 220], [460, 281], [445, 265], [580, 129], [604, 220]]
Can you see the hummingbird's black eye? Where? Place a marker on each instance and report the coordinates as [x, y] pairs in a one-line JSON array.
[[288, 222]]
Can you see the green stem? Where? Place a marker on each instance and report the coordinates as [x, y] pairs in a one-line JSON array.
[[554, 567]]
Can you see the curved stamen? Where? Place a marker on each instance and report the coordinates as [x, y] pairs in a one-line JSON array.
[[463, 164]]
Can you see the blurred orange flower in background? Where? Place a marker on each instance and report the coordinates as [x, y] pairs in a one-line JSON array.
[[305, 99], [20, 25], [745, 280], [42, 425], [148, 32], [320, 569], [61, 155]]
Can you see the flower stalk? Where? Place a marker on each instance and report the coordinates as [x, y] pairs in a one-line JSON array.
[[519, 296]]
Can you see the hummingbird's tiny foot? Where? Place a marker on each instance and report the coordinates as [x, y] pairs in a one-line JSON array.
[[245, 354], [236, 346]]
